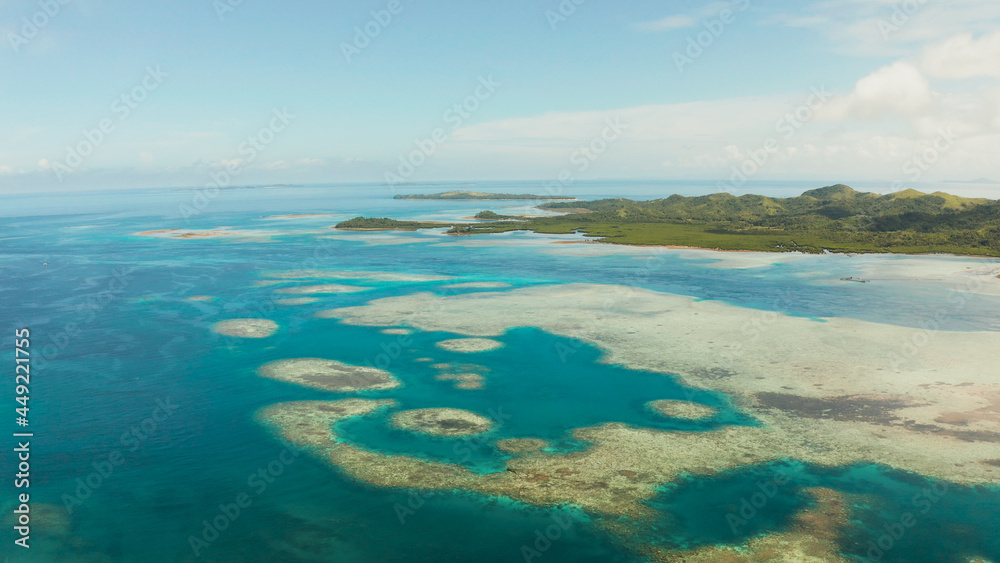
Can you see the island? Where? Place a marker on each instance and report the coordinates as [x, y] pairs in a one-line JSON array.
[[483, 196], [831, 219], [385, 224], [493, 216]]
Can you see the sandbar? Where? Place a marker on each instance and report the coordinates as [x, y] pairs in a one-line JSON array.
[[463, 380], [379, 239], [246, 328], [297, 301], [477, 285], [442, 422], [304, 216], [521, 445], [309, 423], [329, 375], [201, 234], [326, 288], [681, 409], [469, 345], [350, 275]]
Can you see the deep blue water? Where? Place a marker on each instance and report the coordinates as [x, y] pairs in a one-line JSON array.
[[114, 338]]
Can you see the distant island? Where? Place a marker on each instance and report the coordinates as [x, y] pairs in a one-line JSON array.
[[483, 196], [492, 216], [976, 181], [831, 219], [385, 224]]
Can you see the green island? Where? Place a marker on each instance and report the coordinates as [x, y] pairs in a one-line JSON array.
[[832, 219], [386, 224], [491, 216], [482, 196]]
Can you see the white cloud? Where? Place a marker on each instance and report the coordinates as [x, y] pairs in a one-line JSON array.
[[963, 57], [895, 90], [707, 139], [875, 28], [711, 10], [276, 165]]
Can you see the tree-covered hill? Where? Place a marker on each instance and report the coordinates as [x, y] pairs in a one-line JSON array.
[[835, 218]]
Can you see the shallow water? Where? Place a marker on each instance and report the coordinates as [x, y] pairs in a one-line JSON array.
[[538, 386], [115, 338]]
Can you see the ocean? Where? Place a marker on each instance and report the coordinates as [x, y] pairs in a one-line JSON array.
[[143, 418]]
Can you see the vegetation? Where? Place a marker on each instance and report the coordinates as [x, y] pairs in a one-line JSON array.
[[384, 224], [491, 216], [835, 218], [480, 196]]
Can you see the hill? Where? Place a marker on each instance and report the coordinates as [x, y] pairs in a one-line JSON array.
[[480, 196], [384, 224], [833, 218]]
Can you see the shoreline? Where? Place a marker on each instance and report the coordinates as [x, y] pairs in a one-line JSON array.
[[687, 247], [826, 251]]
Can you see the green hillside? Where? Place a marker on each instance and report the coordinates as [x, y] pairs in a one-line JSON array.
[[479, 195], [834, 218]]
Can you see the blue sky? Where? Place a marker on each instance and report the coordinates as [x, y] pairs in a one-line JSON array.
[[909, 92]]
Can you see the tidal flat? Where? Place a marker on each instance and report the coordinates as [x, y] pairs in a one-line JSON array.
[[804, 401]]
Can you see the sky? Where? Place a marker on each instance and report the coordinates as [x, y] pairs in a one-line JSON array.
[[101, 94]]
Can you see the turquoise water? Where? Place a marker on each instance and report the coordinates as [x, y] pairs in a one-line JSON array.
[[115, 338], [538, 386], [949, 522]]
